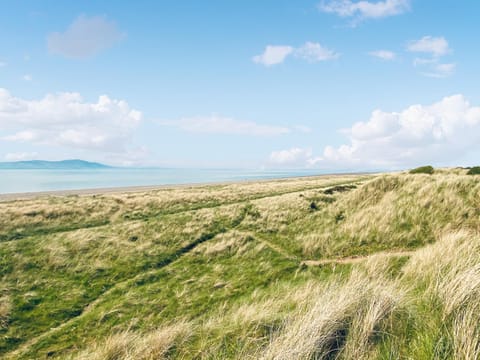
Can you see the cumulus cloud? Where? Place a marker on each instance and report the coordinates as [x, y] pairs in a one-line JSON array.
[[365, 9], [436, 46], [442, 131], [273, 54], [294, 157], [383, 54], [85, 37], [215, 124], [66, 119], [310, 51]]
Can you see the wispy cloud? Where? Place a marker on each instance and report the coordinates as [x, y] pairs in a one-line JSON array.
[[85, 37], [360, 10], [273, 54], [27, 77], [440, 70], [436, 47], [215, 124], [383, 54], [314, 52], [310, 51], [19, 156]]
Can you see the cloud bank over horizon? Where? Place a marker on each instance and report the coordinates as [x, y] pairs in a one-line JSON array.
[[446, 130], [66, 120]]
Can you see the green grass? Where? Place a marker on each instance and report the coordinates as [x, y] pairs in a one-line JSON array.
[[88, 277]]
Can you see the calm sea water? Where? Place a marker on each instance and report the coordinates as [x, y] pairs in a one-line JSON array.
[[18, 181]]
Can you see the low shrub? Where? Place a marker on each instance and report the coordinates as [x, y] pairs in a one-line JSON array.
[[474, 171], [422, 170]]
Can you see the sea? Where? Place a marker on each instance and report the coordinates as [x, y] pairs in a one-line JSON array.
[[21, 181]]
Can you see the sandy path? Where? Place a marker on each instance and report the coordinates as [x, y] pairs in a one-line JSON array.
[[357, 259]]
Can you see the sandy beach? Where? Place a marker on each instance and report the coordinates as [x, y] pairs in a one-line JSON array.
[[124, 189]]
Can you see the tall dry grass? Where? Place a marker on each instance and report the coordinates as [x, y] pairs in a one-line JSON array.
[[450, 270], [129, 345], [392, 211], [343, 320]]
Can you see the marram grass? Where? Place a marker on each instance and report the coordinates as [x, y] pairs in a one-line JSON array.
[[342, 267]]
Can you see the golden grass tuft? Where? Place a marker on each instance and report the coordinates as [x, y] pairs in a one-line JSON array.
[[343, 319], [232, 242], [129, 345], [5, 310], [466, 334]]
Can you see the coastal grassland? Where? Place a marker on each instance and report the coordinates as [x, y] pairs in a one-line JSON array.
[[349, 267]]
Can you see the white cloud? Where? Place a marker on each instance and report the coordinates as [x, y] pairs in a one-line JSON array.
[[310, 51], [314, 52], [85, 37], [27, 77], [435, 133], [215, 124], [66, 119], [365, 9], [21, 136], [440, 70], [383, 54], [21, 156], [273, 54], [3, 64], [435, 46], [294, 157], [440, 134]]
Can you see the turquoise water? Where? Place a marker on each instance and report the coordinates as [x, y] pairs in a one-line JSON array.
[[18, 181]]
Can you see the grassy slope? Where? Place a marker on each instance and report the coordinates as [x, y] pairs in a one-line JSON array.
[[218, 271]]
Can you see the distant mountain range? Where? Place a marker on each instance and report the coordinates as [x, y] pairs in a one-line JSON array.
[[74, 164]]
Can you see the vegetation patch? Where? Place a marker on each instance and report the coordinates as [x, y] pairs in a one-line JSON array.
[[423, 170], [474, 170], [346, 267]]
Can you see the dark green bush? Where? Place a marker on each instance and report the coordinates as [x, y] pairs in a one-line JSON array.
[[474, 171], [422, 170]]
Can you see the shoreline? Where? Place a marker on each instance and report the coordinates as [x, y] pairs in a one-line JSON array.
[[4, 197]]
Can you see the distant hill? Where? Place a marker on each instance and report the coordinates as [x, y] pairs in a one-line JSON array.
[[54, 165]]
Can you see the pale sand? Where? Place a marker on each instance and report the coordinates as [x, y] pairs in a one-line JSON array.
[[116, 190]]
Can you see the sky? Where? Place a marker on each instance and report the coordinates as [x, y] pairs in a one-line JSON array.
[[327, 84]]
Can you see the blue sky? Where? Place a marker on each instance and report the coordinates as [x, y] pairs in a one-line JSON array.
[[318, 84]]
